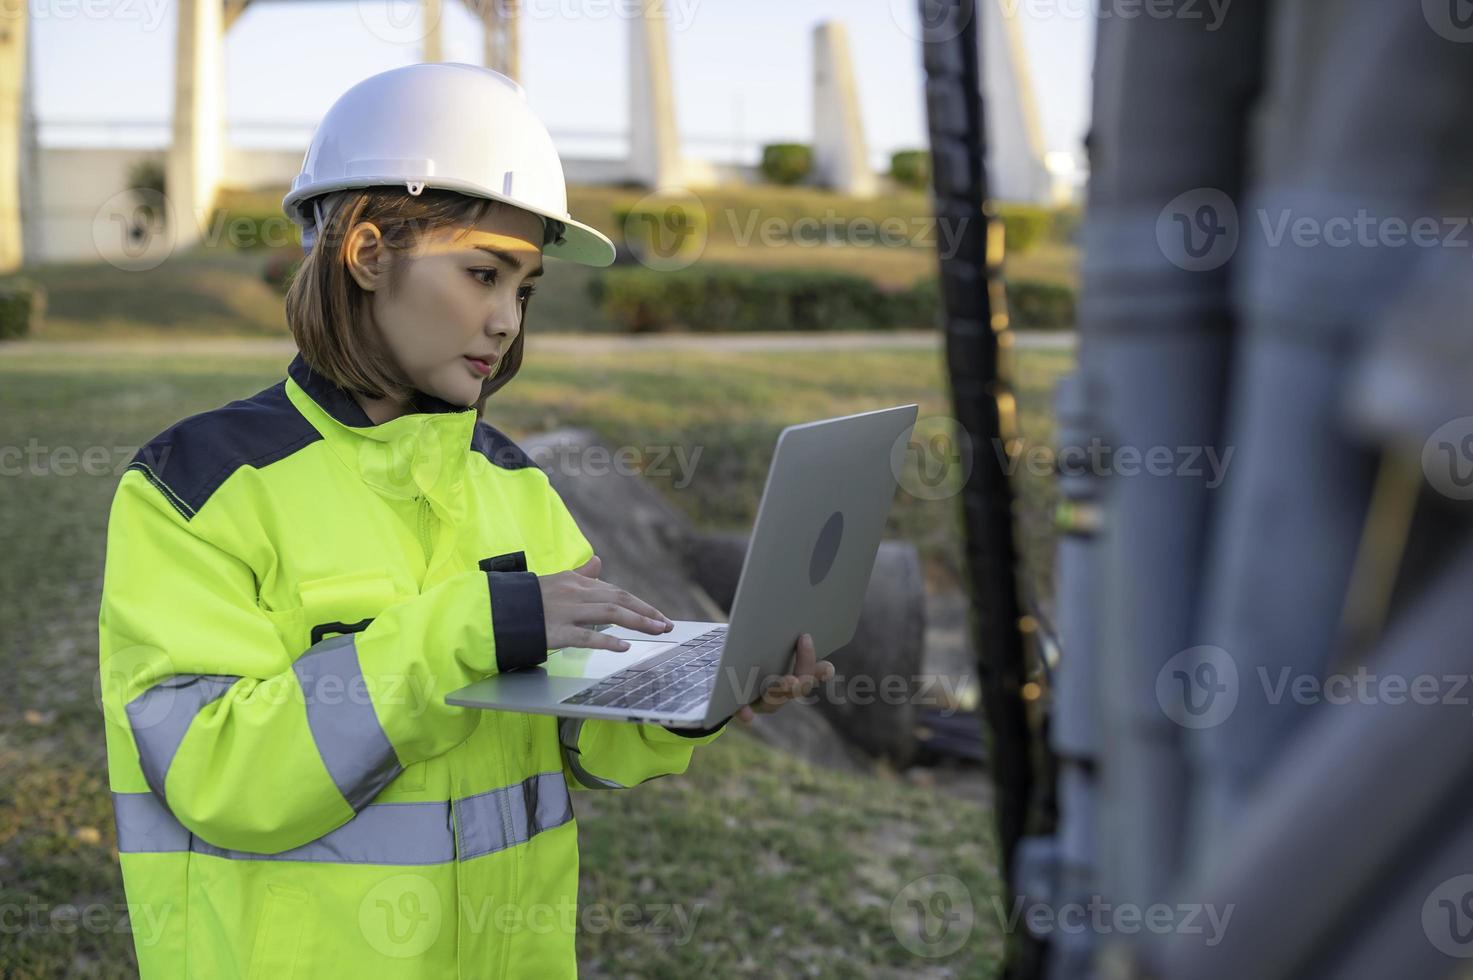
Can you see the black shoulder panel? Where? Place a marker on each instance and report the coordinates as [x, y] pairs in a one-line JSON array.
[[189, 460], [496, 447]]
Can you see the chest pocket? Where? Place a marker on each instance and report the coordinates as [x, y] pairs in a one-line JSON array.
[[344, 603]]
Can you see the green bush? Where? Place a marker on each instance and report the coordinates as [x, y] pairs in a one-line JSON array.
[[22, 305], [786, 163], [1032, 304], [719, 298], [1024, 225], [733, 298], [911, 168], [1035, 305]]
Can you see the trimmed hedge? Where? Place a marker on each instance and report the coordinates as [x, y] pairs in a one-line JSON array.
[[911, 168], [786, 163], [732, 298], [717, 298], [1024, 226], [1036, 305], [22, 305], [1032, 303]]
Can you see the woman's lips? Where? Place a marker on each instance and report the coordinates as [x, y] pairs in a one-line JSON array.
[[480, 366]]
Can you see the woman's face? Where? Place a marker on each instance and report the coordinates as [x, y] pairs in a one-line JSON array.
[[459, 298]]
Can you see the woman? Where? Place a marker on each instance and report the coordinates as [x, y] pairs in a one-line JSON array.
[[295, 580]]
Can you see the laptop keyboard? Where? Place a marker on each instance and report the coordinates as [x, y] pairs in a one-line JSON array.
[[674, 680]]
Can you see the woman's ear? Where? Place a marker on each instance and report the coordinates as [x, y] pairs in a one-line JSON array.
[[366, 255]]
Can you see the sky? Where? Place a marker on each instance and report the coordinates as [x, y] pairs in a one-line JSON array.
[[741, 67]]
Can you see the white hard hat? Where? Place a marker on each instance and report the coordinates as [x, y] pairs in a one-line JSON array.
[[449, 125]]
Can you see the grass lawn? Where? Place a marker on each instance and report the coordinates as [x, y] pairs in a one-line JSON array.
[[793, 870]]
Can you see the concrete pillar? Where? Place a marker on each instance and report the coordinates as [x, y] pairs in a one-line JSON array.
[[32, 242], [192, 173], [840, 157], [13, 151], [654, 140], [501, 35], [1016, 168], [434, 49]]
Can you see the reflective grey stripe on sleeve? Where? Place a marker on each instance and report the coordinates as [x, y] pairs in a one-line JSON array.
[[381, 833], [501, 818], [352, 743], [568, 730], [161, 715]]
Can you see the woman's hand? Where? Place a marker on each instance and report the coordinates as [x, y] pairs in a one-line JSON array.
[[575, 601], [809, 670]]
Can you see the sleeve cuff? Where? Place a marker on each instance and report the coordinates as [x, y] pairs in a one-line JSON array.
[[517, 620], [698, 732]]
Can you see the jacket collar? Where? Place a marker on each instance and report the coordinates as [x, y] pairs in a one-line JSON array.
[[421, 452], [344, 408]]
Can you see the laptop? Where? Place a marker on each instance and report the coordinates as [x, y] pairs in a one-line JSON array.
[[808, 562]]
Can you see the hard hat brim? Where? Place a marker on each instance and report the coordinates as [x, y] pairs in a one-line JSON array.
[[581, 243]]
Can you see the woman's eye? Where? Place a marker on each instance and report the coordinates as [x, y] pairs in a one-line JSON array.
[[487, 277]]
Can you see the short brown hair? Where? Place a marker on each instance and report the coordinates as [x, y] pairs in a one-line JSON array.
[[328, 311]]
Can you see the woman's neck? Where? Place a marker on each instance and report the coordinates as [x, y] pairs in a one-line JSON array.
[[379, 410]]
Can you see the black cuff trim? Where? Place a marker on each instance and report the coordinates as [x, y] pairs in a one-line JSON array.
[[698, 732], [517, 619]]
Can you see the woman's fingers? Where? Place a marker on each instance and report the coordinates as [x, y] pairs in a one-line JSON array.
[[622, 599], [608, 612], [806, 656], [596, 640]]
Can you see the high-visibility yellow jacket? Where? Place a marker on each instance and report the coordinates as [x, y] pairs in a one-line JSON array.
[[290, 592]]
